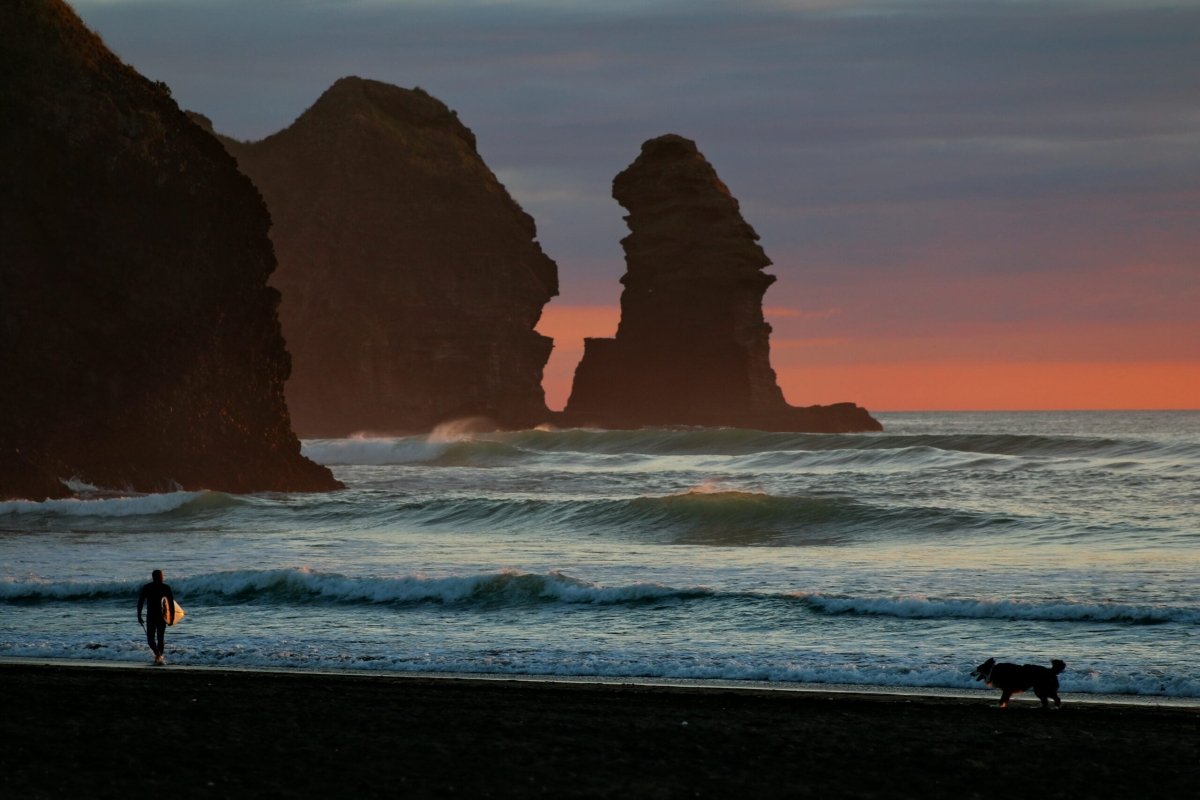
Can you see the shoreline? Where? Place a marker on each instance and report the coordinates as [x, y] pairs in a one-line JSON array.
[[82, 731], [898, 693]]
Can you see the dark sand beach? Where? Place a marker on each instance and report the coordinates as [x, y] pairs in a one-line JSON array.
[[80, 731]]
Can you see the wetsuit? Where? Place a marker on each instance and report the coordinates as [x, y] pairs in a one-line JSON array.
[[152, 595]]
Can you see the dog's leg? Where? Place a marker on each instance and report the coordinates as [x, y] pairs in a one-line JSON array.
[[1043, 696], [1004, 698]]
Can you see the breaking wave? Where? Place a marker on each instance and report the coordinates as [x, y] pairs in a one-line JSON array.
[[702, 515], [723, 517], [127, 506], [303, 586]]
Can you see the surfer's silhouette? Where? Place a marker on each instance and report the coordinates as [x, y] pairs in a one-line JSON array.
[[160, 611]]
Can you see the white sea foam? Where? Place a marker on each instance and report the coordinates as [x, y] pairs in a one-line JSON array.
[[813, 669]]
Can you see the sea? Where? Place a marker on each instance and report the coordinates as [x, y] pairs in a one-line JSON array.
[[895, 560]]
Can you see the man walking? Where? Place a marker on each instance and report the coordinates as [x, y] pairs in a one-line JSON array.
[[160, 611]]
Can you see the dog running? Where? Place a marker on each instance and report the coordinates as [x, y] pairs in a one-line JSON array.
[[1016, 678]]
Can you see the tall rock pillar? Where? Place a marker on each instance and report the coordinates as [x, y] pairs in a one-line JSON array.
[[412, 282], [692, 347]]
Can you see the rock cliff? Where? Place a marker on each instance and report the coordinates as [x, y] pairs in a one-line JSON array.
[[411, 280], [139, 342], [692, 347]]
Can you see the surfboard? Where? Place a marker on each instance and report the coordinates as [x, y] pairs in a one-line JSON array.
[[166, 612]]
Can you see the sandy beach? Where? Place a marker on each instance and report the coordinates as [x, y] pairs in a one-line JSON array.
[[82, 731]]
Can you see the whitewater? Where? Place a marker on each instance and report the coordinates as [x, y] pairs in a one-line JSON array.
[[898, 559]]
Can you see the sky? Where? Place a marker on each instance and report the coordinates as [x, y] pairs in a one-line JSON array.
[[970, 204]]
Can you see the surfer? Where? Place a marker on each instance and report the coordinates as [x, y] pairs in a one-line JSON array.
[[160, 602]]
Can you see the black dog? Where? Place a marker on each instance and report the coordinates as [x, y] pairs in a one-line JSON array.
[[1016, 678]]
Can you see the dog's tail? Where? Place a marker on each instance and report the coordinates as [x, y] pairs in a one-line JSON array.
[[1057, 666]]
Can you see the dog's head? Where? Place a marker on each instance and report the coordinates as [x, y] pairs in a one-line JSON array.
[[984, 670]]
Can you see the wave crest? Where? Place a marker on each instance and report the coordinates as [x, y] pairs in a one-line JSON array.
[[704, 515], [935, 608], [303, 586], [128, 506], [300, 586]]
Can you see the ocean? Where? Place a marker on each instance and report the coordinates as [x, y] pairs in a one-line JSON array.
[[898, 559]]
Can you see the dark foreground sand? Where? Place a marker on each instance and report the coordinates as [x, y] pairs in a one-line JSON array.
[[82, 732]]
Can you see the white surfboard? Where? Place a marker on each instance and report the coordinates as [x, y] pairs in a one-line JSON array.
[[166, 611]]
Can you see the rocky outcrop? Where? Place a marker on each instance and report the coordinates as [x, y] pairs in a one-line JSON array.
[[692, 347], [411, 280], [139, 343]]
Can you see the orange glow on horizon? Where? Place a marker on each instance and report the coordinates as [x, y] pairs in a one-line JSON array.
[[568, 326], [884, 375], [997, 385]]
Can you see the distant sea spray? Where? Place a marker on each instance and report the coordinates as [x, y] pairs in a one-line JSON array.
[[761, 450]]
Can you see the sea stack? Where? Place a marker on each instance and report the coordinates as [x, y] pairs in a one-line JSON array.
[[139, 342], [692, 347], [411, 280]]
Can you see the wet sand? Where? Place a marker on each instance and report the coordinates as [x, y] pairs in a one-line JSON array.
[[84, 731]]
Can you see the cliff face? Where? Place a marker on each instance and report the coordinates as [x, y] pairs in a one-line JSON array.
[[411, 281], [692, 347], [139, 342]]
